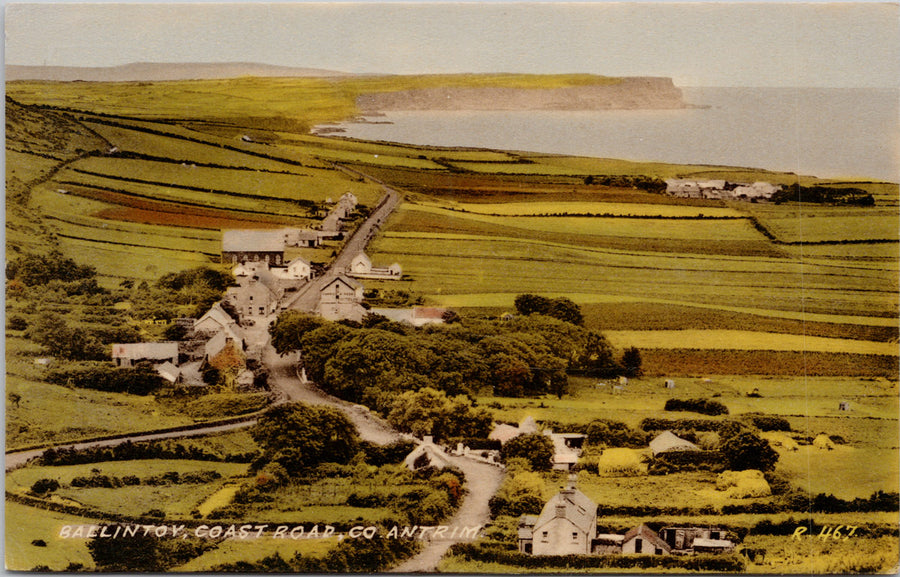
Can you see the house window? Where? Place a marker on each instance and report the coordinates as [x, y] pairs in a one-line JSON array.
[[262, 310], [544, 535], [659, 551], [251, 298], [574, 536]]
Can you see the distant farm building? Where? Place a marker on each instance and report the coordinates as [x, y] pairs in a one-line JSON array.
[[129, 354], [361, 267], [720, 189], [427, 454], [301, 237], [239, 246]]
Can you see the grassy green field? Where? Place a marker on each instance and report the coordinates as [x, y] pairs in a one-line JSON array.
[[25, 525]]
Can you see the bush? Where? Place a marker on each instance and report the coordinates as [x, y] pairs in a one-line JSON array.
[[747, 450], [702, 406], [681, 461], [605, 433], [767, 422], [42, 486], [380, 455], [16, 323]]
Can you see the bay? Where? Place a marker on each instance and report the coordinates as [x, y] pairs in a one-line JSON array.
[[827, 132]]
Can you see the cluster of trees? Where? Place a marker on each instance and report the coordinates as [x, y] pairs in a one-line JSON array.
[[40, 270], [702, 406], [648, 183], [431, 412], [298, 436], [823, 195], [373, 362], [559, 308]]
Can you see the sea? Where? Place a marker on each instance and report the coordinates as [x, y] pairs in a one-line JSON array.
[[826, 132]]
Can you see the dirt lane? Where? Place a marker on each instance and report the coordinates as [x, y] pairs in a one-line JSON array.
[[482, 481]]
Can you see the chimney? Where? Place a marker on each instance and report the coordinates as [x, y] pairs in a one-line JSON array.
[[560, 510]]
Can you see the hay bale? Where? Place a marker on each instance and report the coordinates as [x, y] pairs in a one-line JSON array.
[[823, 443], [783, 441], [743, 484]]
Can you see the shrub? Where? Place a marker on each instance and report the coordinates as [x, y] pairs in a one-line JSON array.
[[602, 432], [747, 450], [767, 422], [42, 486], [702, 406], [226, 404], [16, 323], [103, 376], [680, 461]]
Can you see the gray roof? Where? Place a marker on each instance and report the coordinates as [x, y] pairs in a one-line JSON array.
[[669, 441], [241, 240], [579, 509], [647, 534]]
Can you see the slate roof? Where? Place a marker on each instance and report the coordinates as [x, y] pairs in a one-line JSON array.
[[579, 510], [241, 240]]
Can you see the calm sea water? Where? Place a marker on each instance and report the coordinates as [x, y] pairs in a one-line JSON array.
[[831, 132]]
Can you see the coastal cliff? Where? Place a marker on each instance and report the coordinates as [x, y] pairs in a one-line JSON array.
[[630, 93]]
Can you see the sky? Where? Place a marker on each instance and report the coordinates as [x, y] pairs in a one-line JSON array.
[[698, 44]]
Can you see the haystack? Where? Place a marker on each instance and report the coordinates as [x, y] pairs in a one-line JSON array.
[[743, 484]]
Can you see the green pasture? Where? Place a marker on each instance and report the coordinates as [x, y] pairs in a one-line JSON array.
[[792, 397], [846, 472], [309, 184], [181, 150], [617, 227], [176, 501], [53, 414], [207, 199], [21, 479], [441, 267], [25, 525], [252, 550]]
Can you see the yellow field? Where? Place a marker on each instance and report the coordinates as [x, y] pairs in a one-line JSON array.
[[745, 341]]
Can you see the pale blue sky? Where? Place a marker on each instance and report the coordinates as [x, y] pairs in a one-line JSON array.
[[716, 44]]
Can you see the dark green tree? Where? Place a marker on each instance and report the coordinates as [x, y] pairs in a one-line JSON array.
[[535, 448], [631, 362], [747, 450], [299, 436], [289, 329]]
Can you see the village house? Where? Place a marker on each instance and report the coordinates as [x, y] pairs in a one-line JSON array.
[[361, 267], [255, 296], [567, 525], [239, 246], [301, 237], [215, 320], [297, 270], [341, 299], [127, 355], [642, 540], [566, 449], [667, 442]]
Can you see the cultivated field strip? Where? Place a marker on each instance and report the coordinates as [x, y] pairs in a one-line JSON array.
[[745, 340]]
